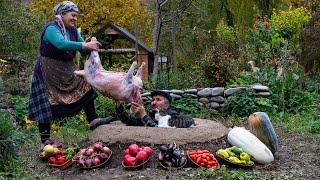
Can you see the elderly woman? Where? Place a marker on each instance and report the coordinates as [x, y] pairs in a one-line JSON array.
[[55, 91]]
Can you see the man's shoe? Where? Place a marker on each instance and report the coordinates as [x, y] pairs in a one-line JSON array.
[[100, 121]]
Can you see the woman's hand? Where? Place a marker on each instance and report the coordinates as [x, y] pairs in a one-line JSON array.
[[91, 46], [138, 109]]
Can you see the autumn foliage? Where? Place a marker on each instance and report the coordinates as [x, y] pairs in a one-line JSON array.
[[95, 14]]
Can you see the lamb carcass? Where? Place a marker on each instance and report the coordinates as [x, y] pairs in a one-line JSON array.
[[119, 86]]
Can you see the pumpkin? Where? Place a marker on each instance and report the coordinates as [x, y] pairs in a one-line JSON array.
[[250, 144], [260, 125]]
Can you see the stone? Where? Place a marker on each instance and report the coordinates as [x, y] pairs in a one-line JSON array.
[[217, 91], [260, 88], [231, 91], [178, 92], [190, 95], [191, 91], [205, 92], [263, 94], [146, 94], [204, 100], [175, 96], [218, 99], [214, 105]]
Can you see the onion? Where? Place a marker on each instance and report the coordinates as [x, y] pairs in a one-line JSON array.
[[97, 147], [88, 162], [95, 161]]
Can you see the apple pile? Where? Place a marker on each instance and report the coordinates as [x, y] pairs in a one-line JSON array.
[[135, 155], [170, 156], [59, 158], [92, 156]]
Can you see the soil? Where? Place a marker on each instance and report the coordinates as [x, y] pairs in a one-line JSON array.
[[204, 131], [298, 158]]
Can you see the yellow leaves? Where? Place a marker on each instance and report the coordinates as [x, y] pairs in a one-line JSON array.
[[55, 128], [95, 14], [29, 122]]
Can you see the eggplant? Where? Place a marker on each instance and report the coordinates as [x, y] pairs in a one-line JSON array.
[[160, 156], [163, 148], [174, 161], [167, 156], [176, 153], [168, 163], [182, 161]]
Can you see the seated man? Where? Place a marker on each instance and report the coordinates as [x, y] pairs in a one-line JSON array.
[[160, 103]]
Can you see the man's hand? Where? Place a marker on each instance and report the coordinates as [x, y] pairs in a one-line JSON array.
[[138, 109]]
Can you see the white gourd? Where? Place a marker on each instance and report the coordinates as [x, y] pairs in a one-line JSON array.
[[249, 143]]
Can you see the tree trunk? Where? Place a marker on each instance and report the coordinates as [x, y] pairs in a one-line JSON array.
[[173, 39], [155, 40]]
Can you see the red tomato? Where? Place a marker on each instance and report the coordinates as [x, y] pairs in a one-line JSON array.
[[198, 160]]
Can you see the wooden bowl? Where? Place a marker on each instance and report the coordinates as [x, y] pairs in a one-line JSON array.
[[197, 165], [139, 166], [99, 165], [172, 168], [228, 162], [62, 166]]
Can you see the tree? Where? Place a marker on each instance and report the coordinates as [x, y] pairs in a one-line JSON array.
[[95, 14]]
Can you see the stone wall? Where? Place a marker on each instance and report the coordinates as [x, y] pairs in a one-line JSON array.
[[212, 98]]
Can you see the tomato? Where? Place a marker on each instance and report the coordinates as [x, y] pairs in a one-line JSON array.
[[192, 153], [199, 152], [202, 164], [208, 158], [193, 156], [198, 160], [205, 151], [204, 156]]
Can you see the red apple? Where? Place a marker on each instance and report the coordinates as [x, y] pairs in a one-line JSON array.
[[126, 152], [142, 156], [130, 161], [133, 149], [148, 150]]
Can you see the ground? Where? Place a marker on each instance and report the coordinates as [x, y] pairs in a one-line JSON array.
[[298, 158]]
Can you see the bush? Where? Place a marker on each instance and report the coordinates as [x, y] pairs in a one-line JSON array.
[[191, 107], [246, 103], [105, 106]]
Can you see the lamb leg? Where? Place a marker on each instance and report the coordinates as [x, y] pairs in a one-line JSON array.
[[139, 72], [130, 72]]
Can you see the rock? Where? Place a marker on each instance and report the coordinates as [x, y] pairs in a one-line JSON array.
[[201, 104], [260, 88], [178, 92], [222, 105], [263, 94], [190, 95], [146, 94], [231, 91], [217, 91], [214, 112], [204, 100], [205, 92], [191, 91], [218, 99], [165, 90], [214, 105], [175, 96]]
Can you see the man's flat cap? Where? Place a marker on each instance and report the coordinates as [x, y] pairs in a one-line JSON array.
[[162, 93]]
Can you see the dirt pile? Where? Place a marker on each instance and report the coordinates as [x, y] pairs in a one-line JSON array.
[[204, 131]]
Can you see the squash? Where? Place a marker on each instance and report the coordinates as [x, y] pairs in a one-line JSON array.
[[260, 125], [250, 144]]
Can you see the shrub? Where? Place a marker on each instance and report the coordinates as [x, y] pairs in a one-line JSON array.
[[105, 107], [215, 63], [246, 103], [191, 107]]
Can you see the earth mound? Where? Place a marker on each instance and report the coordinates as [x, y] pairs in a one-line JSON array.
[[204, 131]]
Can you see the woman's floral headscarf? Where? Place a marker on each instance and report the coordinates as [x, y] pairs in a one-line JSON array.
[[59, 9], [65, 6]]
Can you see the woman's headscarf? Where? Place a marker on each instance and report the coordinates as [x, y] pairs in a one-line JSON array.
[[59, 9], [65, 6]]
